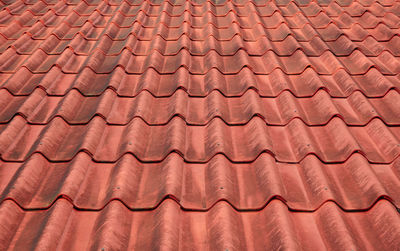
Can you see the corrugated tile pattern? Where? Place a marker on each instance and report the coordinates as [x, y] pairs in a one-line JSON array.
[[334, 142], [37, 183], [221, 228], [199, 124]]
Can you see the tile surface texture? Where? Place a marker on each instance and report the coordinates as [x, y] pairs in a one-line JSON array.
[[199, 125]]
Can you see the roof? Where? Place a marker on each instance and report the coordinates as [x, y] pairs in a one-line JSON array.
[[219, 125]]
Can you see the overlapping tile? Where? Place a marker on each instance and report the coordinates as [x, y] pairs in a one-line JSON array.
[[306, 33], [319, 109], [334, 142], [343, 46], [353, 185], [306, 84], [222, 227], [203, 124], [354, 64]]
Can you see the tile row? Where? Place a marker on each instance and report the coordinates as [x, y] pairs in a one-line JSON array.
[[106, 9], [17, 10], [353, 185], [334, 142], [74, 108], [343, 46], [343, 3], [39, 31], [297, 21], [306, 84], [354, 64], [348, 4], [220, 228], [63, 8]]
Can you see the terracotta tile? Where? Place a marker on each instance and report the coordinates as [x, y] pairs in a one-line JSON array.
[[117, 228], [354, 185], [289, 143], [200, 124]]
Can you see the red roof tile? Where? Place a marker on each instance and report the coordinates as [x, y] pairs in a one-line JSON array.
[[353, 185], [169, 227], [199, 124], [333, 142], [39, 108]]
